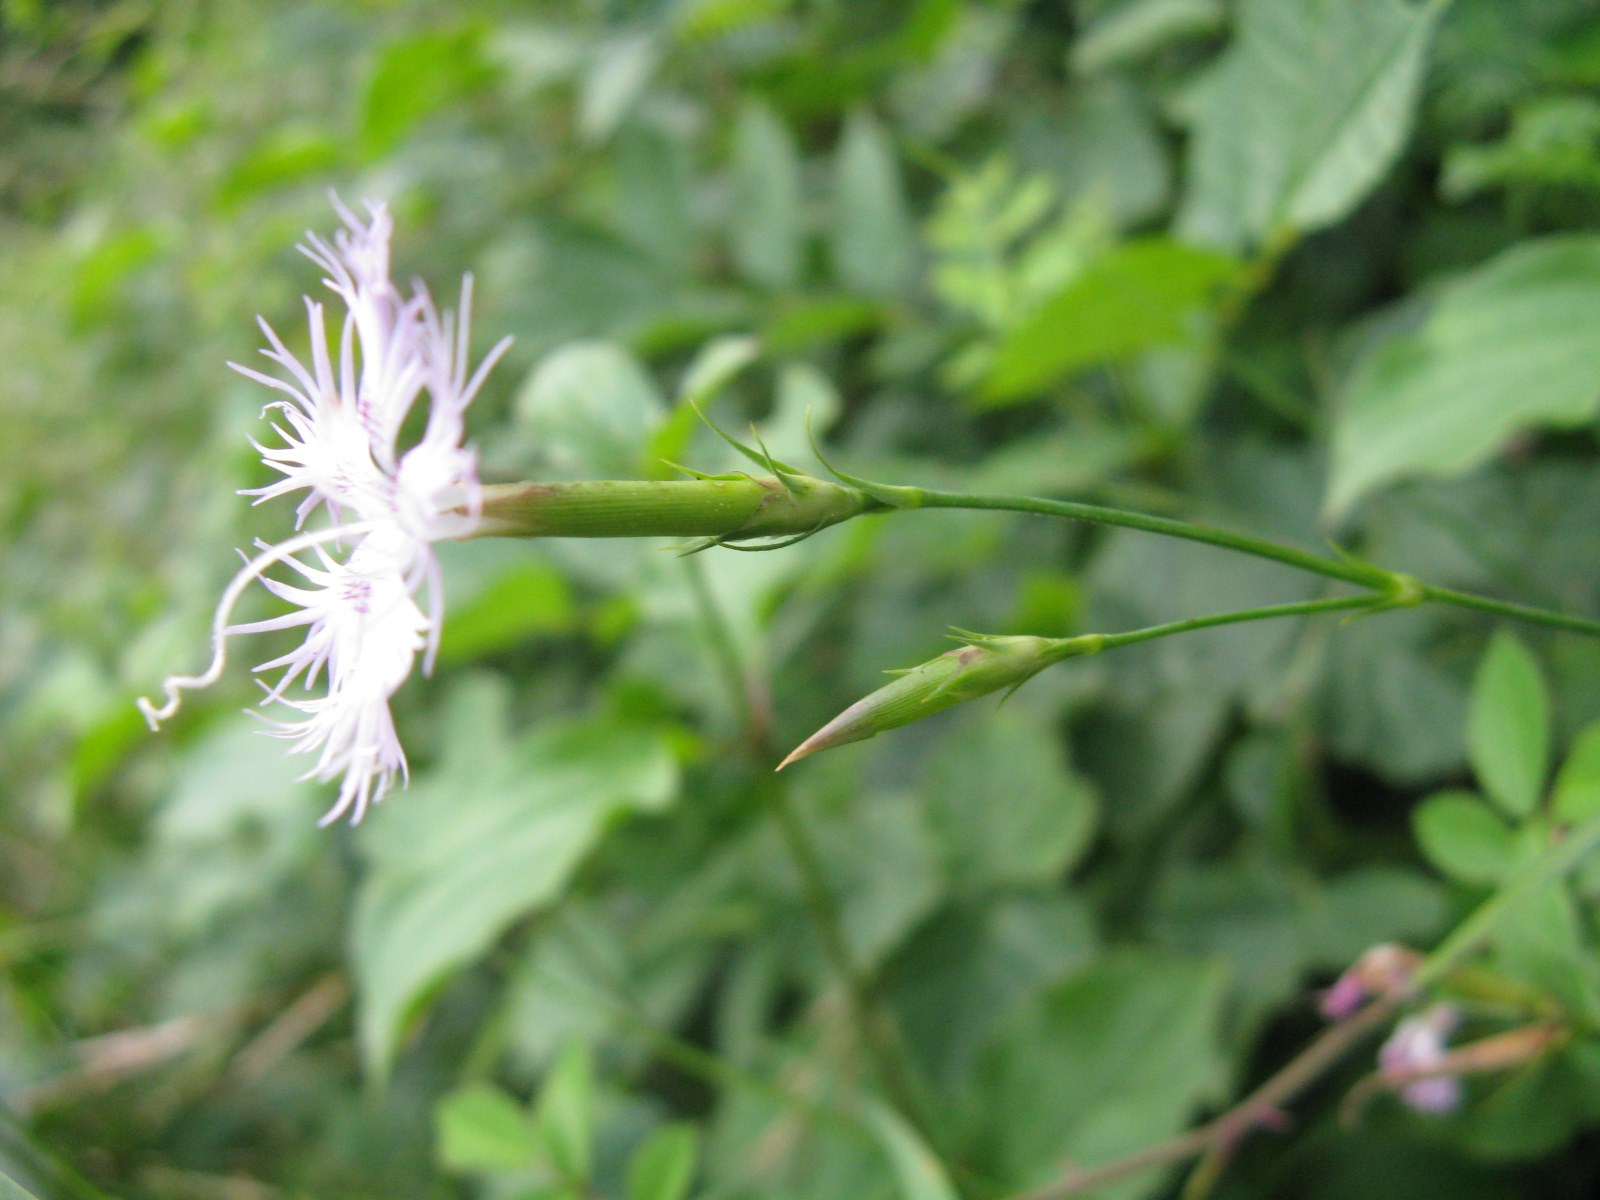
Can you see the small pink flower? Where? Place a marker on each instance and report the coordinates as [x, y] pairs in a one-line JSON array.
[[1384, 970], [1416, 1045], [340, 428]]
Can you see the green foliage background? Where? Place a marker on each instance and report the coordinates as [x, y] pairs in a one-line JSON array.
[[1310, 268]]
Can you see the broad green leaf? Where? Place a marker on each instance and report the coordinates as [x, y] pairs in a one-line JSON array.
[[524, 599], [284, 156], [1142, 294], [1302, 116], [717, 365], [1464, 838], [765, 225], [1508, 726], [654, 200], [917, 1169], [1029, 831], [1512, 345], [882, 864], [1535, 1109], [1540, 940], [1550, 144], [621, 70], [1010, 944], [565, 1113], [1126, 32], [874, 244], [488, 837], [1112, 1060], [10, 1189], [481, 1128], [590, 409], [663, 1167], [415, 78], [1576, 794]]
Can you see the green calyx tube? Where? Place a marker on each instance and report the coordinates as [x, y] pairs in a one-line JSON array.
[[724, 508]]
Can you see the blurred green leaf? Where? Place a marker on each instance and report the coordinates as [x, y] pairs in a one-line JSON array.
[[589, 409], [874, 243], [565, 1113], [917, 1169], [1124, 33], [1508, 726], [1540, 941], [1144, 293], [286, 155], [481, 1128], [1302, 116], [416, 77], [719, 362], [491, 835], [1137, 1036], [1464, 838], [1536, 1108], [882, 864], [1012, 946], [526, 599], [654, 203], [621, 70], [1030, 831], [765, 225], [1512, 345], [663, 1168], [1576, 794], [1554, 141]]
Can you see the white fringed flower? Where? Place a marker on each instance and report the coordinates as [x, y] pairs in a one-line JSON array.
[[340, 427]]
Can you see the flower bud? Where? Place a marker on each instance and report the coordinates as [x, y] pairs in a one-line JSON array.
[[983, 664]]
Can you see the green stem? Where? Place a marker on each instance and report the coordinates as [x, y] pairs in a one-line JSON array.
[[1402, 587], [871, 1023], [738, 508], [1506, 608], [1350, 572], [1109, 641]]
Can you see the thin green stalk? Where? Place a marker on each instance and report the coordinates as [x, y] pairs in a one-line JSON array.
[[732, 509], [746, 692], [1506, 608], [872, 1027], [865, 1005], [1405, 589], [1362, 574], [1300, 608]]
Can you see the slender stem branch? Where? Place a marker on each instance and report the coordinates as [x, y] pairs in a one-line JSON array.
[[1299, 608], [872, 1028], [1362, 574], [1505, 608]]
